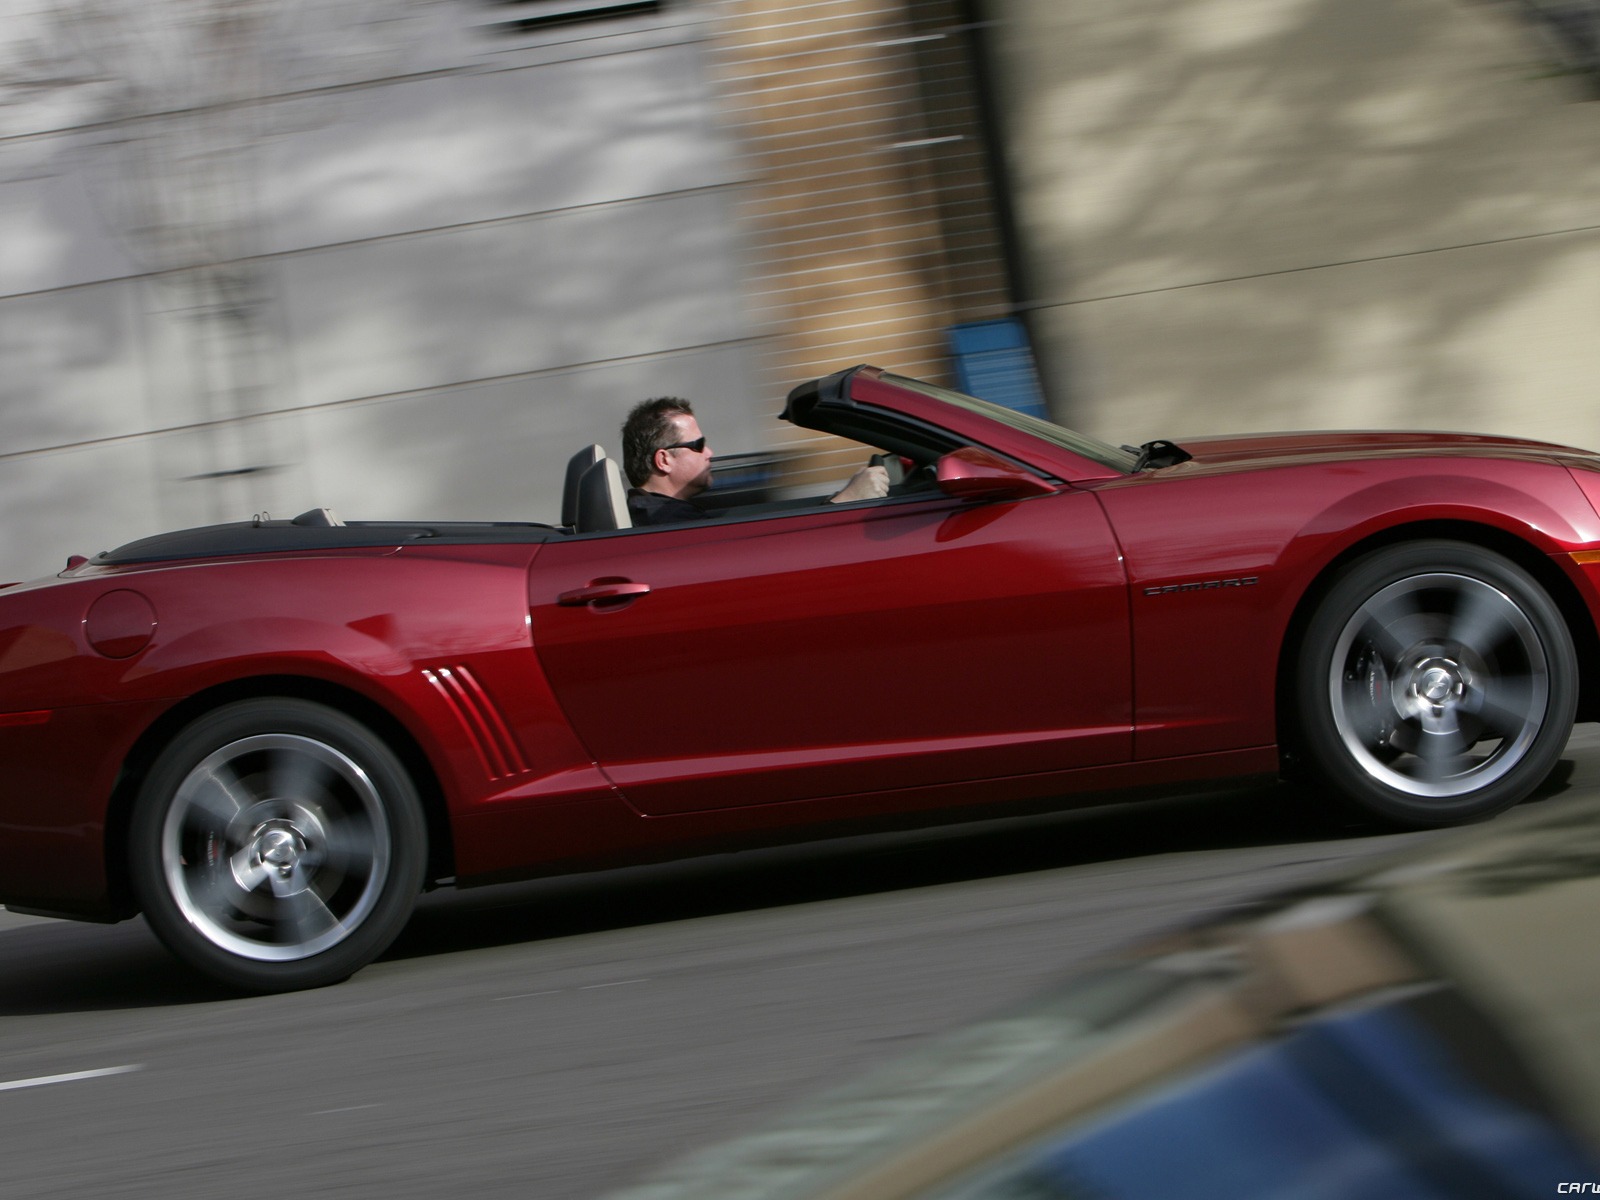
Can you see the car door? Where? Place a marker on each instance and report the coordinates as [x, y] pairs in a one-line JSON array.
[[840, 650]]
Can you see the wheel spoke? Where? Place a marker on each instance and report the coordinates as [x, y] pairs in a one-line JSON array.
[[1377, 630], [1507, 707], [305, 918], [299, 776], [249, 872], [214, 893], [343, 848], [1481, 620], [220, 794], [1441, 755]]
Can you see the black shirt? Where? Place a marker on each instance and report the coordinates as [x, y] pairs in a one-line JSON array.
[[652, 508]]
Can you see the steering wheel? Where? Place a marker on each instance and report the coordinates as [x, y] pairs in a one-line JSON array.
[[904, 474], [893, 464]]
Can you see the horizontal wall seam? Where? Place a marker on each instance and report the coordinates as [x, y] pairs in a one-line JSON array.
[[379, 398], [544, 214], [1036, 305]]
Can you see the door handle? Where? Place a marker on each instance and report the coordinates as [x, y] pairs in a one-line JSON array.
[[598, 593]]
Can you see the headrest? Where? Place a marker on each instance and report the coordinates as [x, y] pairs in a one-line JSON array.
[[602, 499], [576, 466]]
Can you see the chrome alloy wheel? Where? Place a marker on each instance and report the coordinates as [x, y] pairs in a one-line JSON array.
[[275, 847], [1439, 685]]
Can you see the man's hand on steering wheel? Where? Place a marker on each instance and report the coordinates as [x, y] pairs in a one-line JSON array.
[[871, 482]]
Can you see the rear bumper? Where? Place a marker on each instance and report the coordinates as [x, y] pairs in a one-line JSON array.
[[58, 773]]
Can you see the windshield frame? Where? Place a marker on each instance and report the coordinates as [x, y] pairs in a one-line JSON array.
[[1104, 453]]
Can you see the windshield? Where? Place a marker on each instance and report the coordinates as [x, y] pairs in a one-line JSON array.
[[1081, 444]]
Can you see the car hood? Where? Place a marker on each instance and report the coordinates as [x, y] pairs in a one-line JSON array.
[[1326, 446]]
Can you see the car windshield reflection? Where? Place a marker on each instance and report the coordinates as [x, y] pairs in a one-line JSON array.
[[1081, 444]]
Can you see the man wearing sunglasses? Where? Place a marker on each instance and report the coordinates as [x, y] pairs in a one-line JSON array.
[[668, 461]]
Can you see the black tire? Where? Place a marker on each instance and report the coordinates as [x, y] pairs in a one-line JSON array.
[[277, 844], [1437, 685]]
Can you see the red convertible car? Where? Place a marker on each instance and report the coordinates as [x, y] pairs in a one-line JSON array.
[[270, 736]]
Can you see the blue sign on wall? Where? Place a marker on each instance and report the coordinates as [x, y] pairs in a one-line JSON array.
[[994, 362]]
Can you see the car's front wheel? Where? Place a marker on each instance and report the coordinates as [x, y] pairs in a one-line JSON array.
[[1437, 684], [277, 844]]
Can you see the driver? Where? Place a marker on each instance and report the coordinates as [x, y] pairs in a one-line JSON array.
[[668, 461]]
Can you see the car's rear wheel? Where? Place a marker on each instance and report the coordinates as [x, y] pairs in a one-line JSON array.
[[1437, 684], [277, 844]]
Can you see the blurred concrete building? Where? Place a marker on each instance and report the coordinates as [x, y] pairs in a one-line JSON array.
[[1263, 214], [401, 259]]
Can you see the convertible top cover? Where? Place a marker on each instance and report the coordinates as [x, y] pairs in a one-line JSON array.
[[263, 536]]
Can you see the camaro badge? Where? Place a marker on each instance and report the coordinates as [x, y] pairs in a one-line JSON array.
[[1166, 589]]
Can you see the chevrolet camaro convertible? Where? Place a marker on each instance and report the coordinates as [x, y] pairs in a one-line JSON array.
[[270, 736]]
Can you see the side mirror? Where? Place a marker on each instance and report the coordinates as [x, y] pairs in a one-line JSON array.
[[973, 474]]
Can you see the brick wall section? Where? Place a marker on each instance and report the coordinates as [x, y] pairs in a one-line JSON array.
[[865, 189], [957, 160]]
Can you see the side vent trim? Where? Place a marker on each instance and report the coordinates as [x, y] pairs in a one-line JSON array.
[[481, 720]]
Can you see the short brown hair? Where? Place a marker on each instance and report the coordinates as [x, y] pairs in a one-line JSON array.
[[649, 428]]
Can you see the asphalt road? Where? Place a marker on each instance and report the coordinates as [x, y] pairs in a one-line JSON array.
[[563, 1038]]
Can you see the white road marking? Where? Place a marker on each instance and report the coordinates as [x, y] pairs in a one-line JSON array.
[[71, 1077]]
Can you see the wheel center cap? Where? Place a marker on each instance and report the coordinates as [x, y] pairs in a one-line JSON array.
[[280, 849], [1437, 682]]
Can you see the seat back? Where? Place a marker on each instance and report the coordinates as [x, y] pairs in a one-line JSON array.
[[576, 466], [602, 500]]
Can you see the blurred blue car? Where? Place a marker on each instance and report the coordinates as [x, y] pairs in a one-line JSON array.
[[1424, 1029]]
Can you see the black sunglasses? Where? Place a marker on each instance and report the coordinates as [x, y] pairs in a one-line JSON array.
[[697, 445]]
